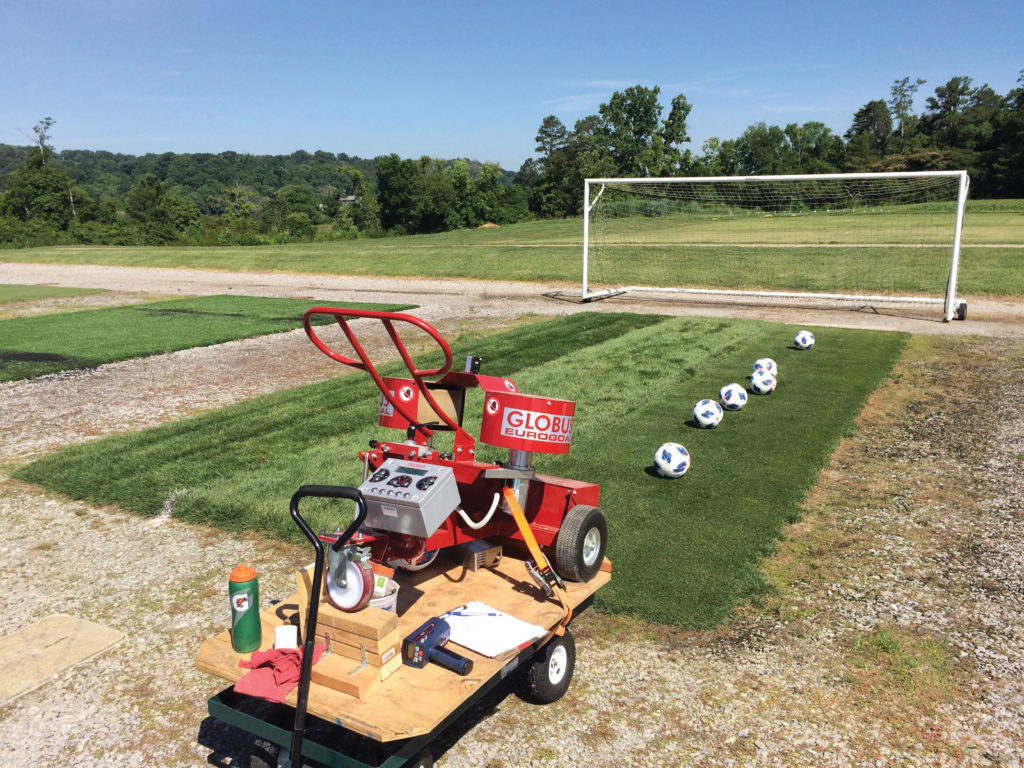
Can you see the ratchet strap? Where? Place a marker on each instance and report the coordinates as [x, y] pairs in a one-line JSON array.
[[542, 570]]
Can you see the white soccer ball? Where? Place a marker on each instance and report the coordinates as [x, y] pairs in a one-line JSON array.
[[671, 460], [803, 340], [769, 364], [762, 381], [707, 414], [732, 397]]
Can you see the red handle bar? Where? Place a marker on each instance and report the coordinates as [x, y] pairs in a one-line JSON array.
[[364, 363]]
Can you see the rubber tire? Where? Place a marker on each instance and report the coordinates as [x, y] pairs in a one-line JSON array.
[[264, 754], [961, 311], [425, 759], [576, 558], [550, 672]]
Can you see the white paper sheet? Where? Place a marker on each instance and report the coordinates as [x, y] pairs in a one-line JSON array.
[[488, 631]]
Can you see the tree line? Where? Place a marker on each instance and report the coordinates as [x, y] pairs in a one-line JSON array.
[[80, 196]]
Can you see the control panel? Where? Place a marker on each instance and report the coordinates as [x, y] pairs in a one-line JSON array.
[[407, 496]]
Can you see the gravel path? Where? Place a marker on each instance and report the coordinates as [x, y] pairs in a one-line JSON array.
[[892, 637]]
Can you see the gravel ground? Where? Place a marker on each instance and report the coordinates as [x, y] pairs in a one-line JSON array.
[[892, 635]]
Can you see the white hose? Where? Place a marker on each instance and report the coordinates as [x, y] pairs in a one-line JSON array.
[[487, 517]]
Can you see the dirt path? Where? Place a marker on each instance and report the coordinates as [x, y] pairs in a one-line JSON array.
[[990, 317], [892, 636]]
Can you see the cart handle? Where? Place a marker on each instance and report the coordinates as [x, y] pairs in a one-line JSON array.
[[364, 363], [309, 635]]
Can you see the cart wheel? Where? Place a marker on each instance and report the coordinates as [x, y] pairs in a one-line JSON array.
[[425, 759], [579, 548], [960, 313], [264, 754], [550, 672], [357, 591]]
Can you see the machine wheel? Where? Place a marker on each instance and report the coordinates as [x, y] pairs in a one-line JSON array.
[[960, 313], [579, 548], [425, 759], [550, 672], [358, 588], [264, 754]]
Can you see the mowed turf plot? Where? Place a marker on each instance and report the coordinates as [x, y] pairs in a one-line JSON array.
[[9, 292], [684, 550], [31, 346]]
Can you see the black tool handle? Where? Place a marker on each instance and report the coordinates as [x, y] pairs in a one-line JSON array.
[[451, 660], [309, 635]]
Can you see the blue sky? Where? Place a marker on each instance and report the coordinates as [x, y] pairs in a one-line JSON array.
[[465, 79]]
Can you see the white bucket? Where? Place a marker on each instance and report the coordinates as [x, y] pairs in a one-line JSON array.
[[386, 596]]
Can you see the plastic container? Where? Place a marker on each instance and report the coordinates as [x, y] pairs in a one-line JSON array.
[[244, 591], [385, 594]]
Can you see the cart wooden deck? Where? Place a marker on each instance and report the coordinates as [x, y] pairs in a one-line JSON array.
[[413, 702]]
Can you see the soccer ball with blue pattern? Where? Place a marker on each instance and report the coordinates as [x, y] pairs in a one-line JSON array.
[[707, 414], [732, 397], [768, 364], [671, 460], [803, 340], [762, 382]]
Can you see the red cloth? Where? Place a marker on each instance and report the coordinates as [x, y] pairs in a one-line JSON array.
[[272, 674]]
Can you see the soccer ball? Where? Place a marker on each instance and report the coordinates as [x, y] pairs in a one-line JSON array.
[[767, 363], [803, 340], [707, 414], [762, 381], [671, 460], [732, 397]]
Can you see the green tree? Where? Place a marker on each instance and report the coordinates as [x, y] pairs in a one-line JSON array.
[[38, 192], [869, 135], [762, 150], [901, 102], [815, 148], [639, 142]]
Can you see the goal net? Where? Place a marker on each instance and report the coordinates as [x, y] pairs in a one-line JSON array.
[[862, 237]]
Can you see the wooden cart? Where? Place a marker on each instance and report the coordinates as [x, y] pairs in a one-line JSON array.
[[405, 711]]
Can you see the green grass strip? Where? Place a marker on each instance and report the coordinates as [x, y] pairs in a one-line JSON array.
[[683, 550], [32, 346], [9, 292]]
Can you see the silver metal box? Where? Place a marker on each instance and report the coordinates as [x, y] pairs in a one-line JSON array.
[[410, 497]]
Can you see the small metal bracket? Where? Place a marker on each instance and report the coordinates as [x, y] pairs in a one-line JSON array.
[[362, 654]]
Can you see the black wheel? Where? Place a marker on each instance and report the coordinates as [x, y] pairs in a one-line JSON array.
[[961, 311], [579, 548], [264, 754], [425, 759], [550, 671]]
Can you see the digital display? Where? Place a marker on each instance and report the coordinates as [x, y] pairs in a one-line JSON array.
[[412, 471]]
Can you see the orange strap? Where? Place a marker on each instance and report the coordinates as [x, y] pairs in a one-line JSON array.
[[535, 551]]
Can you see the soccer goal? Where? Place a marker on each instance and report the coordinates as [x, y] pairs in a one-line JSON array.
[[844, 237]]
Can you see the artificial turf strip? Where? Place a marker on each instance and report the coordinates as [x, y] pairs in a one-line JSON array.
[[32, 346], [684, 550]]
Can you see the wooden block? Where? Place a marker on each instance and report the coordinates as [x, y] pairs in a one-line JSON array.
[[390, 667], [342, 674], [378, 653]]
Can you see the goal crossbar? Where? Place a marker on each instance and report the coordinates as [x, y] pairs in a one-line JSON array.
[[595, 191]]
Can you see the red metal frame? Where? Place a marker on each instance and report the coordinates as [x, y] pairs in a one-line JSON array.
[[548, 499]]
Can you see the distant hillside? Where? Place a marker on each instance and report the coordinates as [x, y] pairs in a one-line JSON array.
[[203, 177]]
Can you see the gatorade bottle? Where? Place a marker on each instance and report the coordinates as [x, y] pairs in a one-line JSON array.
[[244, 590]]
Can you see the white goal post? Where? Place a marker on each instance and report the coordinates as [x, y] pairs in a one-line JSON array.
[[862, 237]]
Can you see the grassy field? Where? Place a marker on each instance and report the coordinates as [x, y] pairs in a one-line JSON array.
[[684, 550], [550, 252], [32, 346], [9, 293]]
